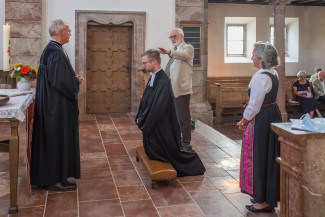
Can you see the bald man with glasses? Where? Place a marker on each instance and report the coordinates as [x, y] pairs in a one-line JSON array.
[[180, 69]]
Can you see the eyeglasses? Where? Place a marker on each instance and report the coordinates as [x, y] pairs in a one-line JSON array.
[[173, 36], [145, 63]]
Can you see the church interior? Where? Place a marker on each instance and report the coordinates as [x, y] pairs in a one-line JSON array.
[[113, 182]]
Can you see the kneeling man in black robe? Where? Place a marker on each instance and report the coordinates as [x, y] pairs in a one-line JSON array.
[[55, 155], [158, 122]]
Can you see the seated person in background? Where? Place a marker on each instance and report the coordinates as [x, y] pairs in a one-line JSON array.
[[319, 87], [303, 95], [315, 76], [157, 119]]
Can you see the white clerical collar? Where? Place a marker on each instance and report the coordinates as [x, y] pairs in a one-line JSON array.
[[155, 72], [153, 77]]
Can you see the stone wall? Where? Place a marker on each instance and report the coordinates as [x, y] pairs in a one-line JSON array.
[[197, 11], [25, 20]]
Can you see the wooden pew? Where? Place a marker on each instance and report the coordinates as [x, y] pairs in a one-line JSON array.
[[230, 99], [157, 170], [227, 96], [291, 105], [211, 87]]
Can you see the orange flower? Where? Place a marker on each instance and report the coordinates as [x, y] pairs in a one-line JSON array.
[[24, 70]]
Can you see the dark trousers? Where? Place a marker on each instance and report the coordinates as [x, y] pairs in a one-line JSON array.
[[184, 117], [321, 99]]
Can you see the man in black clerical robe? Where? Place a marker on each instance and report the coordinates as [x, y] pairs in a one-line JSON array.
[[158, 122], [55, 155]]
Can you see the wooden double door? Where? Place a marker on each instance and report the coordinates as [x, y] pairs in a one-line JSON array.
[[108, 76]]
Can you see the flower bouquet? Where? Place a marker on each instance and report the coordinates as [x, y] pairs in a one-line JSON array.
[[20, 70], [24, 74]]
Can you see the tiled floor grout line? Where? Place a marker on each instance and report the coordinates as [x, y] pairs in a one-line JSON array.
[[98, 200], [227, 197], [118, 194], [221, 182], [191, 197], [138, 172], [45, 205], [190, 194], [109, 165], [225, 171], [78, 208], [182, 187]]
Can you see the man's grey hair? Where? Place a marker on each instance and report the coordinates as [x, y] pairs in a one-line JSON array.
[[56, 26], [180, 31], [301, 73], [268, 53]]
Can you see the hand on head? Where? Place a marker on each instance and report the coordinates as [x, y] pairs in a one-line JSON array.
[[163, 50]]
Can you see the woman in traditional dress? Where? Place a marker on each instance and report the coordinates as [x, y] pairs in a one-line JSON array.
[[303, 94], [259, 172]]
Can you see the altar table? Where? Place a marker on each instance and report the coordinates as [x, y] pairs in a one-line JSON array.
[[14, 112], [302, 172]]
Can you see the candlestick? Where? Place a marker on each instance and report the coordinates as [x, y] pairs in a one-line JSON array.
[[6, 47]]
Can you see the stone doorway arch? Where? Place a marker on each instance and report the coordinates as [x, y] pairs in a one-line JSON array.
[[138, 20]]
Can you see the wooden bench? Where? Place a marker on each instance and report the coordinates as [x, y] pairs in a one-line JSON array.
[[291, 105], [211, 87], [230, 99], [227, 96], [157, 170]]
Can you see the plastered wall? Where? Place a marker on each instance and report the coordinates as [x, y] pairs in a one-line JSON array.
[[311, 49]]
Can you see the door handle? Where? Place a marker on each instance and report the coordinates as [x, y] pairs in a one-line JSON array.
[[128, 68]]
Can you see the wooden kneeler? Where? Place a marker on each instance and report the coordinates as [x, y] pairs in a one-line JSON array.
[[157, 170]]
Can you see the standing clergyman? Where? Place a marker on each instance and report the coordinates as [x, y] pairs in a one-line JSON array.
[[55, 155]]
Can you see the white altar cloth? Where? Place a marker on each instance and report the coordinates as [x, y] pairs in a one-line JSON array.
[[17, 105]]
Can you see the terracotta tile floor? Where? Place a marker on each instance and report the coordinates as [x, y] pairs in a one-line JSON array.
[[113, 183]]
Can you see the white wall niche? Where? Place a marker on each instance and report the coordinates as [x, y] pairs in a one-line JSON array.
[[292, 25], [250, 38]]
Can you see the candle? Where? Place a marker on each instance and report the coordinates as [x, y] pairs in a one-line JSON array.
[[6, 47]]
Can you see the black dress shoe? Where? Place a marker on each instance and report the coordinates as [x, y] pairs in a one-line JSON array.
[[253, 201], [253, 209], [186, 148], [60, 187]]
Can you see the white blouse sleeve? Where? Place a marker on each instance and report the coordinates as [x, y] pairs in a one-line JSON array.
[[260, 85]]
